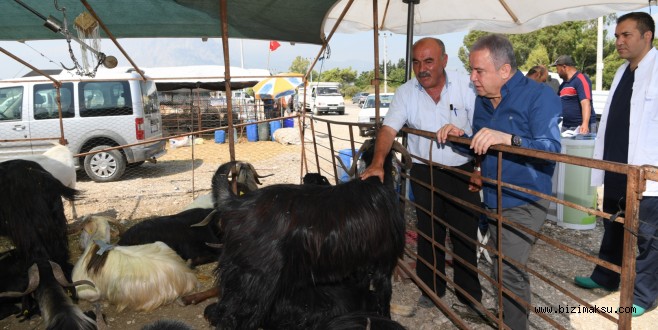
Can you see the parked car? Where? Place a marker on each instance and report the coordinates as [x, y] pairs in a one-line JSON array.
[[113, 109], [367, 112], [359, 97]]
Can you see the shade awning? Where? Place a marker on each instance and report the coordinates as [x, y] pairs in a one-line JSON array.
[[209, 77], [283, 20]]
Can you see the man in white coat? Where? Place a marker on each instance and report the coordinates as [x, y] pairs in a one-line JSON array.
[[629, 134]]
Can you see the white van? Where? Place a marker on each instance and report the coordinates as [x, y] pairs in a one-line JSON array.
[[367, 112], [112, 109], [323, 97]]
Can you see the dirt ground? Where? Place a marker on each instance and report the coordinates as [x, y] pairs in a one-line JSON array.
[[166, 187]]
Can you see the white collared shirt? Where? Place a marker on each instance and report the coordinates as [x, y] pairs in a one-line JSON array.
[[413, 106]]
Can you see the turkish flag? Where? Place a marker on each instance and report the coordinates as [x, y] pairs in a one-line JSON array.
[[274, 45]]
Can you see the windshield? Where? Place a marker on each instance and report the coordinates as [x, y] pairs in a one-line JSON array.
[[328, 91], [384, 101]]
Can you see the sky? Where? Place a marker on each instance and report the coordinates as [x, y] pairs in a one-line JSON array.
[[346, 50]]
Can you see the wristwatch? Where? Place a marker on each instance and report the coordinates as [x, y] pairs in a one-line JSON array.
[[516, 140]]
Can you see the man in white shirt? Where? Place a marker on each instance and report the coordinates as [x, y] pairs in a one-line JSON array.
[[427, 102], [628, 135]]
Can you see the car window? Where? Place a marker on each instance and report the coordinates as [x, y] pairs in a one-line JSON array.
[[45, 101], [369, 103], [149, 97], [11, 103], [385, 100], [328, 91], [108, 98]]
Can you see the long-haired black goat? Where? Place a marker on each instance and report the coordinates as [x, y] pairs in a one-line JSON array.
[[193, 233], [32, 213], [286, 241], [32, 216]]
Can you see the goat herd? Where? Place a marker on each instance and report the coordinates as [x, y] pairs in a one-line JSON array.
[[311, 256]]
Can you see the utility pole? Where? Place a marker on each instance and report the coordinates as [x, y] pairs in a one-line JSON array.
[[385, 34]]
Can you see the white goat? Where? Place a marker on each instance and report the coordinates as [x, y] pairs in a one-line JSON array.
[[58, 160], [140, 277]]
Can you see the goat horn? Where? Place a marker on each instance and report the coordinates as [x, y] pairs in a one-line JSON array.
[[366, 144], [256, 175], [215, 245], [61, 279], [206, 220], [33, 275], [5, 255], [340, 162], [397, 146]]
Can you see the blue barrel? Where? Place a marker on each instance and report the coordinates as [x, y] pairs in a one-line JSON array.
[[346, 156], [263, 131], [289, 122], [252, 133], [220, 136], [274, 125]]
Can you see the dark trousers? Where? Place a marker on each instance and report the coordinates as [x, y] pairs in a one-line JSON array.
[[461, 218], [646, 267], [517, 245]]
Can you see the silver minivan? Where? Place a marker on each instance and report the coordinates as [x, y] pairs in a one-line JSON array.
[[112, 109]]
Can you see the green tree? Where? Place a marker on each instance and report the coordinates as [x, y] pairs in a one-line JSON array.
[[537, 56], [364, 79], [299, 65], [344, 76], [574, 38]]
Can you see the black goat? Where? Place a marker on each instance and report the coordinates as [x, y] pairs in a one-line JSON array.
[[180, 234], [57, 309], [283, 242], [32, 213], [194, 232], [167, 325], [32, 216], [12, 278], [360, 321], [316, 179]]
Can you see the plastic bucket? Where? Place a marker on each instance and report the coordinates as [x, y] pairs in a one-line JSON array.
[[252, 133], [274, 125], [346, 156], [289, 122], [263, 131], [220, 136]]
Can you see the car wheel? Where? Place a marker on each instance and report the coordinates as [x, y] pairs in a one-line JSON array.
[[105, 166]]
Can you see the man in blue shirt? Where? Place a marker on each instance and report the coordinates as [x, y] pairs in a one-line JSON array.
[[576, 96], [512, 110]]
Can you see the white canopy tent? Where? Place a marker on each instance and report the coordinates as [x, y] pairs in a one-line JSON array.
[[433, 17]]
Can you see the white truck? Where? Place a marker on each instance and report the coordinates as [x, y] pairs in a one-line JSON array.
[[322, 97]]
